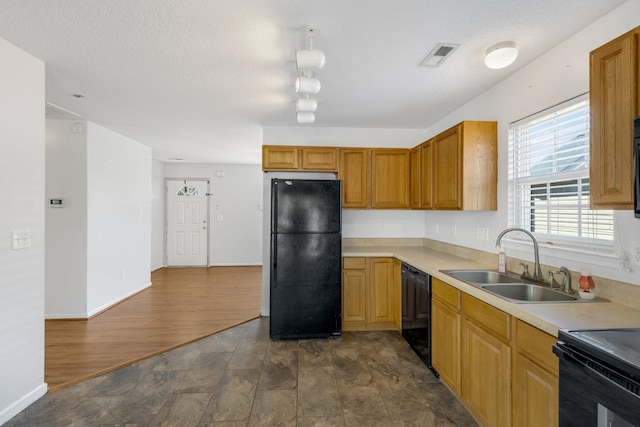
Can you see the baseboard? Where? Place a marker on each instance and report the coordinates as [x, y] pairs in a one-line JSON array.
[[76, 316], [241, 264], [21, 404], [107, 306]]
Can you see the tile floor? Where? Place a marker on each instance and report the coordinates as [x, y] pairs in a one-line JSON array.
[[239, 377]]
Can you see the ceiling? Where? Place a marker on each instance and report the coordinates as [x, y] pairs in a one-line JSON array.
[[198, 79]]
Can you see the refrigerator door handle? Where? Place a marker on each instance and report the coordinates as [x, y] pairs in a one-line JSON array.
[[274, 256]]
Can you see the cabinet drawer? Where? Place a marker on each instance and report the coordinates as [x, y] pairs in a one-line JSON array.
[[445, 293], [490, 318], [354, 263], [537, 345]]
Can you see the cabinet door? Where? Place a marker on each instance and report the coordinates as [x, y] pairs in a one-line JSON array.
[[447, 173], [390, 178], [381, 303], [354, 296], [320, 159], [397, 293], [354, 172], [279, 157], [486, 376], [445, 343], [426, 185], [535, 394], [613, 101], [416, 178]]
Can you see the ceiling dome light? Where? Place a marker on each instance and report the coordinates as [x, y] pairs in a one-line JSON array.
[[501, 55], [306, 104], [307, 85], [310, 59], [305, 117]]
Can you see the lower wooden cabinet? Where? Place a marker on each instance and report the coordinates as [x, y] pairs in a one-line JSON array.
[[445, 327], [369, 291], [502, 368], [486, 375], [535, 377]]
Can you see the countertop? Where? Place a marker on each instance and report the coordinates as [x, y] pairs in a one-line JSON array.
[[549, 317]]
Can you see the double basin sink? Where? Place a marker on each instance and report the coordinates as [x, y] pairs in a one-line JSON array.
[[513, 288]]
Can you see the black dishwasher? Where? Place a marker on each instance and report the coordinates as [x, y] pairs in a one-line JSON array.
[[416, 312]]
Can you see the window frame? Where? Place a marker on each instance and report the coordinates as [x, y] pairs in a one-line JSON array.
[[517, 210]]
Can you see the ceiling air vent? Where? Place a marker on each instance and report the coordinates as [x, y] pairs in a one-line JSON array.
[[438, 54]]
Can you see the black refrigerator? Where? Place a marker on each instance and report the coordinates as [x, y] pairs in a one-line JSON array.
[[306, 258]]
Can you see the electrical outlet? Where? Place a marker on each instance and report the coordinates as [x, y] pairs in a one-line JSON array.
[[482, 233], [635, 254]]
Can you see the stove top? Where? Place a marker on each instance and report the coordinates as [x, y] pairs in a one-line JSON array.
[[619, 348]]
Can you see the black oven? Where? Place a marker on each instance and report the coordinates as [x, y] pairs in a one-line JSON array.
[[416, 312], [599, 379]]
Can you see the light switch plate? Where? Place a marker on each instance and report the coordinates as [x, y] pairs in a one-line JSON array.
[[20, 239]]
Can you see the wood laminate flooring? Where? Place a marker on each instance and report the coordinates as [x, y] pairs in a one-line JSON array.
[[182, 305]]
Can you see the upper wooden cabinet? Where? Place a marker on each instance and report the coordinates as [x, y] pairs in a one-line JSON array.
[[426, 180], [614, 101], [354, 171], [416, 177], [456, 170], [320, 159], [390, 178], [464, 167], [279, 157], [292, 158]]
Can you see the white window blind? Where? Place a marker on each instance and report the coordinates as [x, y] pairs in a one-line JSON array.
[[549, 176]]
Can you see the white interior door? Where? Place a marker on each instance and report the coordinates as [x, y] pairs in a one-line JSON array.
[[187, 222]]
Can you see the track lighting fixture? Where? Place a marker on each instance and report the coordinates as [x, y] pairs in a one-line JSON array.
[[307, 60]]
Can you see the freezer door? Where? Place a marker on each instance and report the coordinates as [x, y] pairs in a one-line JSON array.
[[305, 285], [305, 206]]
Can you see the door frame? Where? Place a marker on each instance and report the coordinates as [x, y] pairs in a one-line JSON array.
[[166, 222]]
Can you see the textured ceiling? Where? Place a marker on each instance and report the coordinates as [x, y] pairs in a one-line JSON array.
[[198, 79]]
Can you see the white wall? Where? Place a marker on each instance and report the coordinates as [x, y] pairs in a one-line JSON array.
[[342, 137], [157, 215], [558, 75], [66, 227], [119, 217], [237, 198], [22, 130]]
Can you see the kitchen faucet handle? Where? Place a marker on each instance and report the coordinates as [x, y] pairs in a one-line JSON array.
[[566, 280], [525, 272], [552, 281]]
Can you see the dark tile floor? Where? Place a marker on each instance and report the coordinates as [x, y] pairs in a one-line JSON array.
[[241, 378]]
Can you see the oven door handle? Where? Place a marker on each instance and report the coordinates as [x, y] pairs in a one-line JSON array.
[[594, 368]]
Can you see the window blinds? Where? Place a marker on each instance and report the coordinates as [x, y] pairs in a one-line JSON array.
[[549, 175]]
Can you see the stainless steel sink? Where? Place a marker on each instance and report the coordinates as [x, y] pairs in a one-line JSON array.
[[482, 276], [525, 292], [513, 288]]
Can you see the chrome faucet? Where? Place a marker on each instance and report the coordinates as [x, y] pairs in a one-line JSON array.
[[537, 272]]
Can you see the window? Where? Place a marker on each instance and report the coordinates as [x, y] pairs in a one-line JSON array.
[[549, 176], [187, 191]]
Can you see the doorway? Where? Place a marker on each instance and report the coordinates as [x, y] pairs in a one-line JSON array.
[[187, 222]]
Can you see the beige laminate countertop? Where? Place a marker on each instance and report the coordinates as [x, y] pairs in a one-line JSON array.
[[549, 317]]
